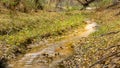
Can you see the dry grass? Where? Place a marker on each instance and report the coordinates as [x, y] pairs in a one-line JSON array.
[[101, 49], [17, 31]]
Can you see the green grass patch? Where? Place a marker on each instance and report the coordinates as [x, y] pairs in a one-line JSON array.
[[35, 27], [107, 27]]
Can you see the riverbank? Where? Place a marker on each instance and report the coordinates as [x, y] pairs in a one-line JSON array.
[[18, 32], [28, 33], [100, 49], [55, 52]]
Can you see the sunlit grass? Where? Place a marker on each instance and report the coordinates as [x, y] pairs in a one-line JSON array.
[[38, 25]]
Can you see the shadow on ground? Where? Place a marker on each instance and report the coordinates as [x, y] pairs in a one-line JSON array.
[[3, 63]]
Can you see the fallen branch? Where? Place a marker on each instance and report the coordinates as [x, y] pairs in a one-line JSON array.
[[86, 3], [112, 47], [115, 2], [115, 32], [116, 53], [117, 14]]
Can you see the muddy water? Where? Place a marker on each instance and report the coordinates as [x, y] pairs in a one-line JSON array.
[[50, 56]]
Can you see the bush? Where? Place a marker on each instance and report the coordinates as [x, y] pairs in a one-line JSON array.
[[23, 5]]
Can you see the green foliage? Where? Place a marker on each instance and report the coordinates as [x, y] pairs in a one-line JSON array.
[[30, 5], [33, 4], [10, 2], [31, 28], [101, 3]]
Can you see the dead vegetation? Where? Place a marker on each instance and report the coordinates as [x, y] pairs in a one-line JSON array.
[[102, 48], [17, 30]]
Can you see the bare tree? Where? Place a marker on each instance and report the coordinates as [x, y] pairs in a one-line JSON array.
[[38, 5], [59, 3], [85, 3], [114, 3]]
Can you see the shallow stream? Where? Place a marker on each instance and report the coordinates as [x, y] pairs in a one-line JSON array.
[[50, 56]]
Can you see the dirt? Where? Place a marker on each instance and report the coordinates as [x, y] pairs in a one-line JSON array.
[[53, 53]]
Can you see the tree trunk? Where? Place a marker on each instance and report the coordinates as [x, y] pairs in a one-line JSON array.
[[85, 3]]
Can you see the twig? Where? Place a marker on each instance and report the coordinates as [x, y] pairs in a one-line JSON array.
[[115, 32], [117, 14], [112, 47], [103, 59]]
